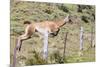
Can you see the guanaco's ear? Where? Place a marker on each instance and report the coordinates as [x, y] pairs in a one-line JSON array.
[[27, 22]]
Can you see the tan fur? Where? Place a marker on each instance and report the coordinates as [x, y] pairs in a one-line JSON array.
[[50, 26]]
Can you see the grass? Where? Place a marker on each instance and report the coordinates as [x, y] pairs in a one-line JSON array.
[[31, 52]]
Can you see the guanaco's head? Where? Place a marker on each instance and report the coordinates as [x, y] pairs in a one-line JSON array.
[[66, 19]]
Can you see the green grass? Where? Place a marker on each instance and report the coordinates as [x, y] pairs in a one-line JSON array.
[[31, 52]]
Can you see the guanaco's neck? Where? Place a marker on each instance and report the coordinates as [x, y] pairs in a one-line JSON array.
[[63, 22], [60, 23]]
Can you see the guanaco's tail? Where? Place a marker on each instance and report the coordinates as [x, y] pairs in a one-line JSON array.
[[27, 22]]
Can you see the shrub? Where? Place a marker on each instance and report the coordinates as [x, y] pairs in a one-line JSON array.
[[85, 19], [36, 59], [63, 8], [56, 56]]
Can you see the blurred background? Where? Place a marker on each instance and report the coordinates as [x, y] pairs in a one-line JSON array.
[[31, 52]]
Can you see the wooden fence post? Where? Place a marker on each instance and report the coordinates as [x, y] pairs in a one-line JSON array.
[[92, 38], [45, 48], [14, 57], [81, 38], [65, 45]]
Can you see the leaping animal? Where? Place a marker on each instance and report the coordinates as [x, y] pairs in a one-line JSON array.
[[51, 27]]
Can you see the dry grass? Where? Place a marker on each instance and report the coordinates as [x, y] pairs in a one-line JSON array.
[[31, 52]]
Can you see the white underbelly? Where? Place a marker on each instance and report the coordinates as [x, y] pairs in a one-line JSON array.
[[41, 30]]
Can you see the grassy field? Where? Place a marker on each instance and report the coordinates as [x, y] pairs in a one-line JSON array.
[[31, 52]]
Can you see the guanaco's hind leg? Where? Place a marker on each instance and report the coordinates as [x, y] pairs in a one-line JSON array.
[[20, 39], [23, 37]]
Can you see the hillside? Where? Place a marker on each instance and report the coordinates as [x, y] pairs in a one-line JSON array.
[[81, 15]]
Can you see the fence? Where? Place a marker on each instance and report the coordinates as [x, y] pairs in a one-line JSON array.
[[81, 38], [45, 47]]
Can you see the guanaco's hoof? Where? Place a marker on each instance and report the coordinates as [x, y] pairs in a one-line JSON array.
[[18, 48]]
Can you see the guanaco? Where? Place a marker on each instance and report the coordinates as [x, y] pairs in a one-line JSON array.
[[49, 26]]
